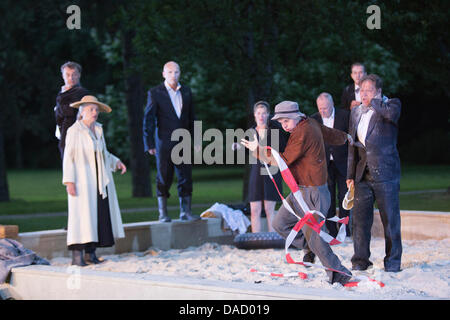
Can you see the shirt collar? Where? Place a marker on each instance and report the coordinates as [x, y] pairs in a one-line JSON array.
[[168, 87], [97, 126], [62, 87]]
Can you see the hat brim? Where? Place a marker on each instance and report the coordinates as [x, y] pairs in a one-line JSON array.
[[101, 106], [293, 115]]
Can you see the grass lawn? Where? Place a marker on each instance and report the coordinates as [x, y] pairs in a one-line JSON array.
[[33, 191], [38, 191]]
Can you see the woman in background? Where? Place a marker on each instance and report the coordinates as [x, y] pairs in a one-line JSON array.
[[261, 191]]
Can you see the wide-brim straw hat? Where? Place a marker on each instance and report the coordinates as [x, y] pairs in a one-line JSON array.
[[89, 100], [349, 198], [287, 109]]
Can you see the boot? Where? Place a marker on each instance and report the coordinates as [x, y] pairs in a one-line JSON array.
[[91, 258], [162, 208], [185, 209], [77, 258], [309, 257]]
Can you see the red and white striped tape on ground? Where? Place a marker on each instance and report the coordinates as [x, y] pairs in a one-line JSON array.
[[282, 275], [310, 221]]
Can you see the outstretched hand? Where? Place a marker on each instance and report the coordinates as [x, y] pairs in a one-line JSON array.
[[251, 145]]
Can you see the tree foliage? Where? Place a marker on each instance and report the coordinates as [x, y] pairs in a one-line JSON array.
[[232, 53]]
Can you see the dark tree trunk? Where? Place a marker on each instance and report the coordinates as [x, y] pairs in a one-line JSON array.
[[135, 97], [4, 193]]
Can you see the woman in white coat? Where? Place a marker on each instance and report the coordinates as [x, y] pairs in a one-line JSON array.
[[94, 215]]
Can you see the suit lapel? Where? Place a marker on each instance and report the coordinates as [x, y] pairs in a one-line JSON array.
[[168, 103], [336, 121], [320, 119], [183, 101], [353, 95], [356, 118]]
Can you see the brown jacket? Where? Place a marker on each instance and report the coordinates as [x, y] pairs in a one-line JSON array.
[[305, 152]]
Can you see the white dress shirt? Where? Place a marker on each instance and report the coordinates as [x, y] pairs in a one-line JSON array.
[[329, 122], [175, 97], [363, 125], [357, 93]]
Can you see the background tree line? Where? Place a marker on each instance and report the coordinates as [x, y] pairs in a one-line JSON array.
[[232, 53]]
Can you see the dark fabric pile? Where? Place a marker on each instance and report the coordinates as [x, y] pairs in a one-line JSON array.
[[14, 254]]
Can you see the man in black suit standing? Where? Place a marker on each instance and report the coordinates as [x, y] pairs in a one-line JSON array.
[[374, 169], [169, 107], [71, 91], [336, 156], [351, 96]]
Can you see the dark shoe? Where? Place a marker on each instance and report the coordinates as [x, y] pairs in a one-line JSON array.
[[393, 270], [162, 208], [309, 257], [343, 279], [185, 209], [77, 258], [360, 267], [91, 258]]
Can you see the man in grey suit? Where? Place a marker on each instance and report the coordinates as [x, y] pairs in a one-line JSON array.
[[374, 169]]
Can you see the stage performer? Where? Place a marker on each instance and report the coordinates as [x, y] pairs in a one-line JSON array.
[[305, 156], [351, 96], [94, 213], [261, 191], [72, 91], [336, 157], [374, 170], [169, 107]]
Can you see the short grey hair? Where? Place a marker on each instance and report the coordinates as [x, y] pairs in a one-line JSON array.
[[326, 95], [71, 65], [80, 109]]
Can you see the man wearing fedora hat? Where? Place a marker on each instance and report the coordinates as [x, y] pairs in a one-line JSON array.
[[304, 154]]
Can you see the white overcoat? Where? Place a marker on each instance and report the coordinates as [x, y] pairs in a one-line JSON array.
[[79, 167]]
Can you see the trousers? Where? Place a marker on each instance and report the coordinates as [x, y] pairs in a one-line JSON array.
[[386, 195], [317, 198]]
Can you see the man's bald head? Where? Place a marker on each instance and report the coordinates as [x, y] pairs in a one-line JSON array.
[[171, 73], [171, 64], [325, 104]]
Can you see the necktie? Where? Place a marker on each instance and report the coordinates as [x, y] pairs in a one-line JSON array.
[[357, 90]]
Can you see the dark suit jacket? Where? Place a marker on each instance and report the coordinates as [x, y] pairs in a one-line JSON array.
[[380, 153], [160, 119], [339, 153], [348, 95]]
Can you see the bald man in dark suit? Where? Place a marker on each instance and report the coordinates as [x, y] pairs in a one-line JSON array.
[[169, 107]]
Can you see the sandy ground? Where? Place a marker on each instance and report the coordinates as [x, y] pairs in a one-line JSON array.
[[425, 267]]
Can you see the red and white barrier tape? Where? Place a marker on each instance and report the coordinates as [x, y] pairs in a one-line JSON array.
[[310, 221], [282, 275]]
